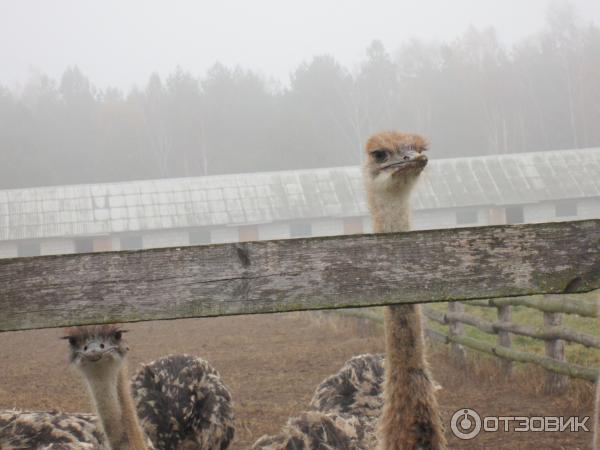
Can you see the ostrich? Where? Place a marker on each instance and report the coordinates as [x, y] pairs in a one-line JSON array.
[[352, 401], [99, 353], [407, 407], [410, 417], [181, 403], [181, 400]]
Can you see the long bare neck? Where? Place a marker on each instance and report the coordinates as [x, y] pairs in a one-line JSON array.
[[390, 211], [115, 406], [410, 418]]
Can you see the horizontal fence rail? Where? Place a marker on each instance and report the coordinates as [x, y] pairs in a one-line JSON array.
[[559, 367], [300, 274], [552, 333], [568, 304], [544, 333]]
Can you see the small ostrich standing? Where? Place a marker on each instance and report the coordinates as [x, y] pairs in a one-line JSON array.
[[99, 353], [410, 418], [182, 404]]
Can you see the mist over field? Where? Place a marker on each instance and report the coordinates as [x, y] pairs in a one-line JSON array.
[[105, 108], [273, 92]]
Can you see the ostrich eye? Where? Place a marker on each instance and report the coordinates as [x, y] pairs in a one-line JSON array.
[[118, 335], [72, 341], [380, 156]]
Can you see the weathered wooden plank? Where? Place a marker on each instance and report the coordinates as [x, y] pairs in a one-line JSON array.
[[300, 274]]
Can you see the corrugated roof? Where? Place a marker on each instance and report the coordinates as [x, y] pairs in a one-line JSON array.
[[280, 196]]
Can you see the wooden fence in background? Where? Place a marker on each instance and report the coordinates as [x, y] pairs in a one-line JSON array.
[[552, 333]]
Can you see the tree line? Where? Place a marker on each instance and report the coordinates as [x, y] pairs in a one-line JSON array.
[[471, 96]]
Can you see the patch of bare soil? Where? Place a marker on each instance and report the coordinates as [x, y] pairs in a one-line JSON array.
[[272, 364]]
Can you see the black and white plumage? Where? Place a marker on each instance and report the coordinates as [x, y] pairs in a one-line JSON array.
[[314, 430], [182, 403], [344, 411], [49, 431], [356, 389]]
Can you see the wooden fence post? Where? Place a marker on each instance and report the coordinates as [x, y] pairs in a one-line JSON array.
[[555, 349], [456, 328], [504, 314]]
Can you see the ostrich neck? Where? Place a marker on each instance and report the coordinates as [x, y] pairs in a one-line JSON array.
[[116, 409], [390, 212], [410, 418]]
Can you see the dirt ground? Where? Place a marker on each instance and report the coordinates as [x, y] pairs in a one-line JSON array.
[[272, 364]]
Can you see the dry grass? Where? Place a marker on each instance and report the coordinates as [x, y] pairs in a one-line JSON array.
[[272, 365], [526, 378]]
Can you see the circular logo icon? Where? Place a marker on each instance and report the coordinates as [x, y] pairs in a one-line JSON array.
[[465, 424]]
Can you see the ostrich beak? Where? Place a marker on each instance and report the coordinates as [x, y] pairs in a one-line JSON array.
[[410, 159], [93, 352], [95, 356]]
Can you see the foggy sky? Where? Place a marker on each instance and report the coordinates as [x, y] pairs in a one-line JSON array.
[[120, 43]]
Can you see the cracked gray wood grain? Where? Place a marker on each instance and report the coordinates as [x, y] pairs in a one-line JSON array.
[[299, 274]]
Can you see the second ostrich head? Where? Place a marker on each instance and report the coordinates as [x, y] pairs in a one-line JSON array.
[[97, 349]]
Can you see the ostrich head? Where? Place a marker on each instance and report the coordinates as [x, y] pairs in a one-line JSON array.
[[394, 161], [96, 349]]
